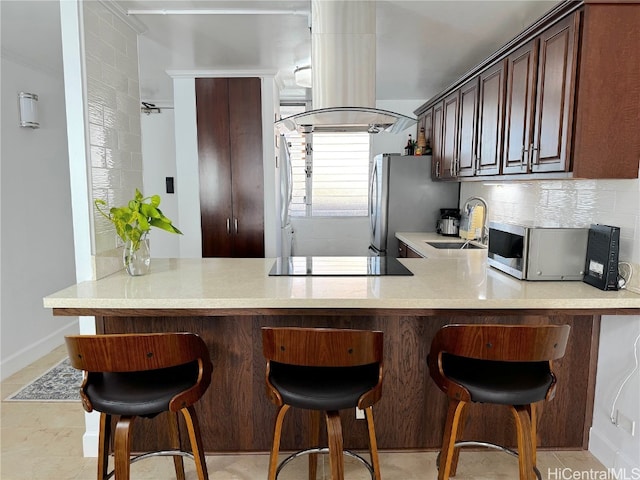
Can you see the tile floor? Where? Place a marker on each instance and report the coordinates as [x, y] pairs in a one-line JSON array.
[[42, 441]]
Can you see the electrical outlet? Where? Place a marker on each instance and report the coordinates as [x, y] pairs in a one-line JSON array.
[[625, 423], [359, 414]]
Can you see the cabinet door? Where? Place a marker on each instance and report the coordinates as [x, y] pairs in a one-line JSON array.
[[411, 253], [554, 101], [490, 123], [427, 123], [450, 135], [436, 144], [519, 104], [247, 180], [466, 158], [214, 158], [402, 249], [229, 124]]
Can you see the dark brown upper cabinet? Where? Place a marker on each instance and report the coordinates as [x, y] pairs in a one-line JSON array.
[[540, 90], [558, 101], [467, 154], [549, 150], [520, 101], [229, 126], [450, 136], [437, 113], [490, 120]]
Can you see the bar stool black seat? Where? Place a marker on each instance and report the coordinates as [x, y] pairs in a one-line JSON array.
[[323, 370], [142, 375], [499, 364]]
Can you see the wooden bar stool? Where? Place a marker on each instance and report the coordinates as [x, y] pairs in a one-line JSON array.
[[142, 375], [323, 370], [500, 364]]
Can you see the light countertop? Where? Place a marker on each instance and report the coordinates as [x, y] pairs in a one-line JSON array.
[[418, 242], [446, 279]]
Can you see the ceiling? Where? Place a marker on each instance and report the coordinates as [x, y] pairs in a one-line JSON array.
[[421, 48]]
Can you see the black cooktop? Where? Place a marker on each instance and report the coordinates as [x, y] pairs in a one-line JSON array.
[[338, 266]]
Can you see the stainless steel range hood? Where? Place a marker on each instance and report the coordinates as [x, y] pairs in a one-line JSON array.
[[343, 57]]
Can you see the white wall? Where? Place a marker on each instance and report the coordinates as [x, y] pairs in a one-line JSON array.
[[37, 253], [579, 203], [113, 122], [159, 159]]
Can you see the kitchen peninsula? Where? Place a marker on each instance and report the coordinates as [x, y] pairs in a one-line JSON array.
[[228, 300]]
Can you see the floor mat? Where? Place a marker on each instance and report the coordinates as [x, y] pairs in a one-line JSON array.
[[58, 384]]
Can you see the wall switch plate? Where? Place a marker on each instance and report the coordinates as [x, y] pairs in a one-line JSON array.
[[625, 423], [359, 414], [169, 184]]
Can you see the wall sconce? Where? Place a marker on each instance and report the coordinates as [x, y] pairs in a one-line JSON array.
[[28, 104], [302, 76]]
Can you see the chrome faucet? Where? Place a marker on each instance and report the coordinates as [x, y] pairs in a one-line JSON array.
[[484, 234]]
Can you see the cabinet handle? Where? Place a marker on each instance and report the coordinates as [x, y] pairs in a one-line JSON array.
[[228, 226], [235, 225], [524, 150], [532, 155], [438, 169]]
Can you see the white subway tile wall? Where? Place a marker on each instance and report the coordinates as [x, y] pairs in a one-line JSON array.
[[567, 203], [111, 55]]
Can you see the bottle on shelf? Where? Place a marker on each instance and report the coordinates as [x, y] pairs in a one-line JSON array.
[[410, 148], [422, 142]]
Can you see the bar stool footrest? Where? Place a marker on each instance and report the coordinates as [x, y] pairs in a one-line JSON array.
[[473, 443], [160, 453], [324, 450]]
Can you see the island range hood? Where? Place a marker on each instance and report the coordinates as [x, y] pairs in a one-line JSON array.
[[343, 60]]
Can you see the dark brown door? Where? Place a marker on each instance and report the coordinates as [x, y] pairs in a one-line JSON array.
[[247, 179], [229, 124], [490, 115], [520, 101], [214, 159], [554, 98], [468, 129]]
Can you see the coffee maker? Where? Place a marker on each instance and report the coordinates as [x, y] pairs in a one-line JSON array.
[[449, 222]]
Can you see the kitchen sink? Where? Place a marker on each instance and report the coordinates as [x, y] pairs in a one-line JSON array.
[[453, 245]]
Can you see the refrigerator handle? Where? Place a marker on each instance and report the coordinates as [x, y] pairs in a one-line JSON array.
[[373, 201]]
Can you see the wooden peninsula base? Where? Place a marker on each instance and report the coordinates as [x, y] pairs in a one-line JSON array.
[[236, 416]]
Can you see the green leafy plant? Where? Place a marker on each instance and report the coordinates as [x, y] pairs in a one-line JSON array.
[[134, 220]]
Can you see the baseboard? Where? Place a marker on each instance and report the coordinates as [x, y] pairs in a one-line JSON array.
[[607, 453], [90, 441], [36, 350]]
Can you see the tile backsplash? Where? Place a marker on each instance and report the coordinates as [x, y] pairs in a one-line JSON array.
[[567, 203], [113, 99]]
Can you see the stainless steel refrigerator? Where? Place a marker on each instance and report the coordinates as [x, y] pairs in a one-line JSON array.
[[402, 198]]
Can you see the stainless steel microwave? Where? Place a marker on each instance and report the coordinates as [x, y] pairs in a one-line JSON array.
[[538, 253]]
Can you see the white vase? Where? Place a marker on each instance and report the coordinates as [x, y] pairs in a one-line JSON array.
[[137, 261]]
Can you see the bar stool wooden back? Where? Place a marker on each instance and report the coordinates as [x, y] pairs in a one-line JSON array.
[[510, 365], [142, 375], [323, 370]]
